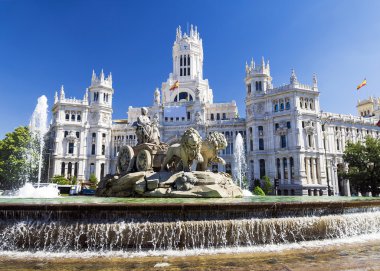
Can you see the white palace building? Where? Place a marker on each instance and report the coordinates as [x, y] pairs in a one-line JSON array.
[[286, 134]]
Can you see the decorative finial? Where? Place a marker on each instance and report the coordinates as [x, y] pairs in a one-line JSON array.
[[62, 93], [93, 78], [262, 62], [293, 78], [85, 97], [56, 97], [315, 81], [102, 76]]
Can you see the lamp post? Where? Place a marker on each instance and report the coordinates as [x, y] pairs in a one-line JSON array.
[[323, 122]]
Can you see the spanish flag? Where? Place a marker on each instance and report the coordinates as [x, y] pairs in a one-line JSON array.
[[174, 86], [362, 84]]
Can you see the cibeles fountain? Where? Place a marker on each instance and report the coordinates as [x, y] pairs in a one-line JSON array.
[[163, 201], [154, 169]]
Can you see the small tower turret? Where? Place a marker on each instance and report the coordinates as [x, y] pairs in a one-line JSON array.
[[258, 79]]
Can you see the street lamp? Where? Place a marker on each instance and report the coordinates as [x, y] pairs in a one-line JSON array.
[[323, 122]]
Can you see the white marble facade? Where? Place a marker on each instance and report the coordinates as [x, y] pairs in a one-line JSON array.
[[287, 135]]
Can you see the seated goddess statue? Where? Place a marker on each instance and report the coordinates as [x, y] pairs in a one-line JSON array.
[[146, 131]]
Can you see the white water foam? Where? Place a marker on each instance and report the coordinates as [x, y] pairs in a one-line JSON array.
[[360, 239], [247, 193], [29, 191]]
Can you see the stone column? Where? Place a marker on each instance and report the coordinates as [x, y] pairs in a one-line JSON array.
[[307, 163], [314, 169], [282, 171], [289, 170]]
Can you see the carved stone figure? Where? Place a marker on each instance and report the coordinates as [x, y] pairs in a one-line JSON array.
[[210, 147], [145, 131], [188, 150]]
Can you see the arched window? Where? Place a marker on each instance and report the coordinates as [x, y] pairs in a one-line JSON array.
[[276, 108], [69, 169], [262, 168], [102, 170], [63, 169], [281, 106], [67, 116], [285, 165], [287, 106], [301, 102], [184, 61], [291, 168], [188, 60], [76, 169], [278, 164]]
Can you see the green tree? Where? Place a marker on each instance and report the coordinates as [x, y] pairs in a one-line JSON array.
[[266, 185], [363, 165], [258, 191], [16, 159]]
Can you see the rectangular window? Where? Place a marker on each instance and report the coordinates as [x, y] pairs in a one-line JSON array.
[[251, 145], [249, 88], [180, 72], [212, 117], [166, 119], [103, 149], [188, 115], [261, 144], [188, 71], [93, 149], [276, 126], [71, 148], [283, 141], [77, 134], [217, 116], [66, 133], [288, 124], [224, 116]]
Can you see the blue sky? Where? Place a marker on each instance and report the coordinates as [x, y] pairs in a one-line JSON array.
[[44, 44]]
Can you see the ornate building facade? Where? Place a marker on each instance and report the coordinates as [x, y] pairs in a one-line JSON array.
[[287, 136]]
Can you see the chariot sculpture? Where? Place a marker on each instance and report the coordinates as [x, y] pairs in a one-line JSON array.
[[155, 169]]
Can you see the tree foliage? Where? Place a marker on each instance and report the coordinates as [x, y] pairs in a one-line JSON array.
[[266, 185], [16, 159], [61, 180], [364, 165], [258, 191]]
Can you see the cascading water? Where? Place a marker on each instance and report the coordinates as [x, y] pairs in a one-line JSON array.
[[239, 166], [134, 236], [38, 128]]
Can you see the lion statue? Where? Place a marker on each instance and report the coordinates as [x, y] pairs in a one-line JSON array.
[[210, 147], [188, 150]]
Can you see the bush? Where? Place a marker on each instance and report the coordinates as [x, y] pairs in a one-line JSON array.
[[258, 191], [93, 180], [267, 185], [61, 180], [257, 182]]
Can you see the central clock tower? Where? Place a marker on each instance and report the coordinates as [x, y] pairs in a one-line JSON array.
[[188, 55]]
